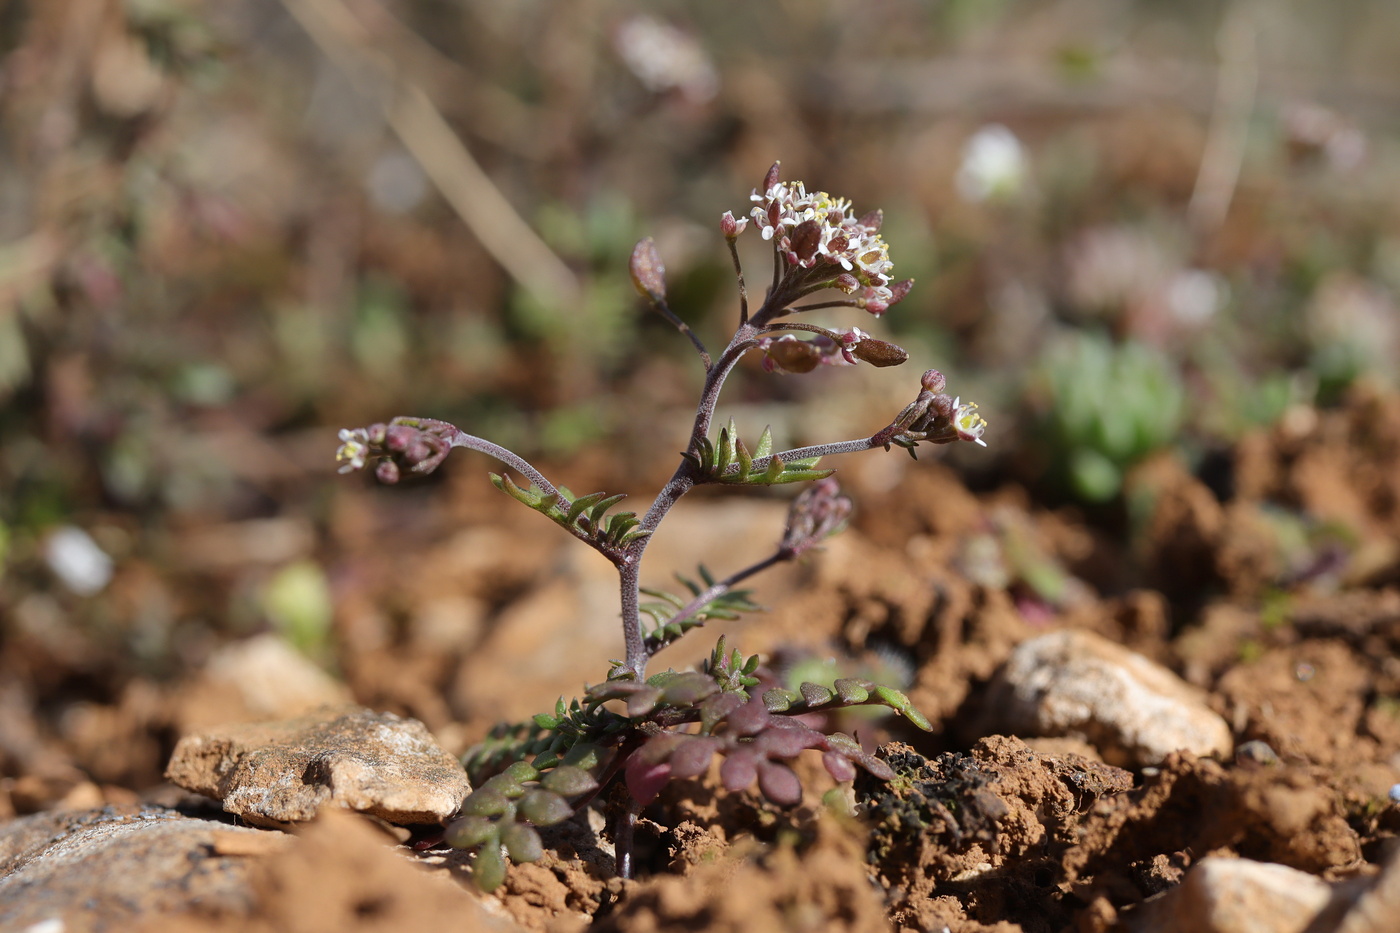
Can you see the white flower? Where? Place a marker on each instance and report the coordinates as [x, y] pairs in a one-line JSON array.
[[354, 445], [993, 164], [77, 560], [968, 422]]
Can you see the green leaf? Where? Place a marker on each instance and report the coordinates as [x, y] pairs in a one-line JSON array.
[[485, 801], [601, 507], [544, 808], [582, 504], [765, 443], [520, 772], [898, 702], [780, 699], [745, 460], [471, 831], [852, 689], [569, 781], [489, 868], [522, 842]]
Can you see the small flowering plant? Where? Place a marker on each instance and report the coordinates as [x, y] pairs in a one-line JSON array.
[[635, 730]]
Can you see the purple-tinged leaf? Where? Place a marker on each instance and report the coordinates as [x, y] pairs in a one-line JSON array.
[[748, 719], [717, 707], [877, 768], [779, 783], [688, 689], [643, 701], [693, 756], [839, 767], [739, 770], [789, 741], [815, 694], [644, 781]]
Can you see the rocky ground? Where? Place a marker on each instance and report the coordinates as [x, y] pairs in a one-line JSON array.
[[1189, 722]]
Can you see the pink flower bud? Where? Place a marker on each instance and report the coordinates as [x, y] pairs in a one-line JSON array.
[[771, 178], [900, 290], [730, 227], [934, 381]]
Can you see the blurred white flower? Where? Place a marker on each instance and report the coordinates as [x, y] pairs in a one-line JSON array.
[[1195, 295], [993, 164], [666, 59], [77, 561]]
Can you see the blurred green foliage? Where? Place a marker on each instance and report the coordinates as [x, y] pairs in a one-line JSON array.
[[1103, 407]]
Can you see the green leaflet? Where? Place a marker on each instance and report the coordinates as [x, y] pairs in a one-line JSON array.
[[728, 460], [585, 516]]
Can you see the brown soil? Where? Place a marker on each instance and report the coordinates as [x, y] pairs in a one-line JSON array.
[[1276, 591]]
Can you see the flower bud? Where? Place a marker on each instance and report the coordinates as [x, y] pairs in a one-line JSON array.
[[846, 282], [771, 178], [387, 472], [934, 381], [730, 227], [806, 239], [872, 220], [899, 291], [879, 352], [648, 272]]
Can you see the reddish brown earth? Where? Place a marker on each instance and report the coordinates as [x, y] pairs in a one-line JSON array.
[[1276, 591]]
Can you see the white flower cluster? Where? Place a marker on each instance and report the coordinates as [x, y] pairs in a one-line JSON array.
[[830, 233], [354, 447]]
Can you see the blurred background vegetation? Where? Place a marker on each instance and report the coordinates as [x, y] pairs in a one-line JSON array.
[[230, 227]]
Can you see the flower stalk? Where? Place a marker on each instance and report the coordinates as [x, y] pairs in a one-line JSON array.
[[819, 245]]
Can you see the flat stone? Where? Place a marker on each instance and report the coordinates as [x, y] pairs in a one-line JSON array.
[[151, 869], [1078, 684], [273, 773], [104, 869]]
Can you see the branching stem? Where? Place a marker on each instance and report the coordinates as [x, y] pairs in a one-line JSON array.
[[654, 644]]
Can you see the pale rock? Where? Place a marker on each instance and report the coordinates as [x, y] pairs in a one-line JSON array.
[[1235, 895], [278, 772], [1078, 684], [106, 868]]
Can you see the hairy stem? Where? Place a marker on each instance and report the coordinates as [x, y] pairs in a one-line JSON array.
[[739, 274]]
